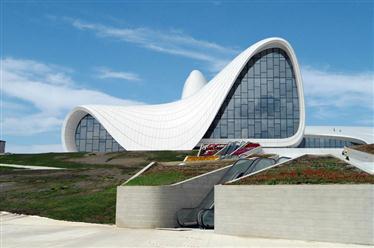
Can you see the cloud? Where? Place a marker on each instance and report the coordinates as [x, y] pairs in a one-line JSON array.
[[12, 106], [338, 89], [49, 90], [104, 73], [333, 94], [31, 124], [53, 74], [170, 42]]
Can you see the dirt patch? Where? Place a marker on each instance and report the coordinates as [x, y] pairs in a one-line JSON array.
[[108, 159]]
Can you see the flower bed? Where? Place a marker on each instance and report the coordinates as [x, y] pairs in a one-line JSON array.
[[310, 169]]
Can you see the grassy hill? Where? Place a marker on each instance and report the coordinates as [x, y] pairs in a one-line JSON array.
[[84, 190]]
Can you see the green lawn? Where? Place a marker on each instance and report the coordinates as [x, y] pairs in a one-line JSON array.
[[86, 195], [161, 174], [44, 159], [310, 169], [160, 156], [87, 160], [86, 191], [156, 179]]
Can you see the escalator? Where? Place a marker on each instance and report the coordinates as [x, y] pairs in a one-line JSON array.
[[203, 214], [206, 216], [187, 217]]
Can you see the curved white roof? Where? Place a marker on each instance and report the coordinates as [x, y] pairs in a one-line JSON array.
[[365, 134], [180, 125], [194, 82]]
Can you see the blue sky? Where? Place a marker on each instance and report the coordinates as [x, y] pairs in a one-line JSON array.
[[56, 55]]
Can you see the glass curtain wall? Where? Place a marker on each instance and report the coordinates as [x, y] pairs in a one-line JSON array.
[[91, 136], [326, 142], [263, 102]]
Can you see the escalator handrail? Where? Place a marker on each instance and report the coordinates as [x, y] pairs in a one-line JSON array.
[[258, 160], [200, 215], [177, 215]]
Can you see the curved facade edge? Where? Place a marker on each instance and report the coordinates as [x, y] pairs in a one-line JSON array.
[[69, 126], [364, 134], [181, 125], [71, 123], [295, 139], [343, 137]]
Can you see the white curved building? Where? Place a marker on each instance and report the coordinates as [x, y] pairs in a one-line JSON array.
[[257, 97], [194, 82]]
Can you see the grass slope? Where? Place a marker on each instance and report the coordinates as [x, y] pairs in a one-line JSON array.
[[310, 169], [86, 195], [44, 159], [160, 156], [156, 179], [88, 160], [85, 192], [162, 174]]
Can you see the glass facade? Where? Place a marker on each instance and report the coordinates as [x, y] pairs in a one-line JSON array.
[[91, 136], [326, 142], [263, 102]]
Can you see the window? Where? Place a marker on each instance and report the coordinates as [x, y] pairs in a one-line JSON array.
[[265, 95], [91, 136], [326, 142]]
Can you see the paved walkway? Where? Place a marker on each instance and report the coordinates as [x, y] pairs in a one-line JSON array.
[[31, 167], [365, 166], [34, 231]]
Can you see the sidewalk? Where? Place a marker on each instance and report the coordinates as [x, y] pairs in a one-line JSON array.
[[31, 167], [34, 231]]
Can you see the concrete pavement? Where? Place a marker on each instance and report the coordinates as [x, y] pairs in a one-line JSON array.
[[31, 167], [34, 231]]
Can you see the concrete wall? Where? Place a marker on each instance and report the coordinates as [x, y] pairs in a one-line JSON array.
[[156, 206], [334, 213], [358, 155], [362, 160]]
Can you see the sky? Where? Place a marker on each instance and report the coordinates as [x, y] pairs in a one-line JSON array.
[[56, 55]]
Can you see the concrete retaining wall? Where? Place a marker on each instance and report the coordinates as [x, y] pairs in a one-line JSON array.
[[334, 213], [156, 206], [358, 155]]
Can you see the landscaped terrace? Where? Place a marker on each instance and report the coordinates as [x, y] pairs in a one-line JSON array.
[[169, 173], [310, 169]]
